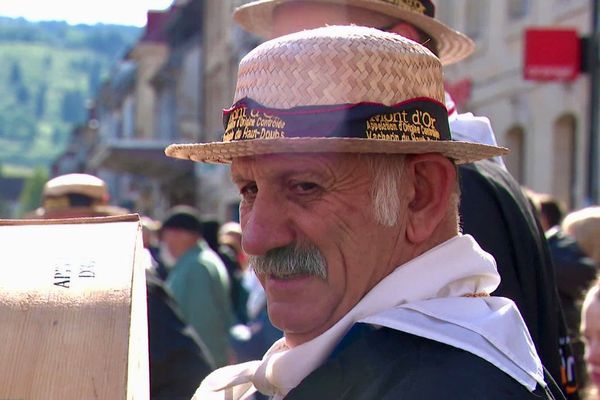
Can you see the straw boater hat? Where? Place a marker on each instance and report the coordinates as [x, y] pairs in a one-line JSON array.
[[337, 89], [76, 195], [452, 46]]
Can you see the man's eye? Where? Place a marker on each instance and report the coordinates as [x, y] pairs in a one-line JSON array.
[[305, 187], [249, 190]]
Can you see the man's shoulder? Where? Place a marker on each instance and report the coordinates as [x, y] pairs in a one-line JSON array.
[[208, 256], [388, 364]]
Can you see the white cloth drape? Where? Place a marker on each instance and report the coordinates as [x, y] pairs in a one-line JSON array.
[[430, 296]]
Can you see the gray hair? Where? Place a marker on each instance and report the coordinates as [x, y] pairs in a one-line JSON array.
[[387, 174]]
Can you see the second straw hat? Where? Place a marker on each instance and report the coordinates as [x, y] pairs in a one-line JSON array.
[[452, 46]]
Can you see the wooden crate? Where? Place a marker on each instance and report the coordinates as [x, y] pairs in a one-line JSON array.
[[73, 322]]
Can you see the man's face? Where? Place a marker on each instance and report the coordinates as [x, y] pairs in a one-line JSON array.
[[321, 201], [178, 241]]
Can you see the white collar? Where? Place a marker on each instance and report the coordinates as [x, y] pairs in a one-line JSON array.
[[446, 273]]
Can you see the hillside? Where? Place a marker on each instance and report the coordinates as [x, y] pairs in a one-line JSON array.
[[48, 72]]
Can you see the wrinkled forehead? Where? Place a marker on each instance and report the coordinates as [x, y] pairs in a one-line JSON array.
[[293, 162], [325, 166]]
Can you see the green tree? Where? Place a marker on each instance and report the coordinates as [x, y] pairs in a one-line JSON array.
[[4, 208], [31, 194], [22, 94], [40, 101], [94, 77], [73, 106], [19, 125], [48, 61], [16, 76]]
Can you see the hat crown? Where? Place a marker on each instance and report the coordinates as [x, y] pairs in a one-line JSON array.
[[339, 65], [82, 184]]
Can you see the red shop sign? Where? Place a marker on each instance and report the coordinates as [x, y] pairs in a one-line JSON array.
[[552, 54]]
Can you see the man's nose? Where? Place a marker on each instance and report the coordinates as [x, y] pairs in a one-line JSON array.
[[266, 225]]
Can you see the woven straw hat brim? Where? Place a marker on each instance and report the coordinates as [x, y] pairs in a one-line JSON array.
[[101, 210], [257, 17], [223, 153]]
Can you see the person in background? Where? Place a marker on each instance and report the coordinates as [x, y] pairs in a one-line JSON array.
[[210, 233], [349, 213], [198, 281], [584, 226], [491, 197], [177, 357], [575, 272], [254, 338], [229, 238], [551, 211], [254, 333], [214, 233], [150, 229], [590, 328]]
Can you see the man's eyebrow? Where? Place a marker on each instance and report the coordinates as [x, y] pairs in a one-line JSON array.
[[288, 173], [238, 178], [303, 173], [238, 175]]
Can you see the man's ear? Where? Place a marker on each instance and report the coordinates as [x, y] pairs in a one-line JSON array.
[[432, 178]]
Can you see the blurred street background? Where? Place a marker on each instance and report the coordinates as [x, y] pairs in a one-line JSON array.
[[98, 88]]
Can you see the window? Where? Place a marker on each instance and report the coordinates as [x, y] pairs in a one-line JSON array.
[[515, 139], [563, 165]]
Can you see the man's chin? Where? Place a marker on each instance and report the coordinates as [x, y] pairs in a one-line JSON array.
[[298, 325]]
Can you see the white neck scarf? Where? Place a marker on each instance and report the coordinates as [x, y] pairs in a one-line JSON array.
[[416, 297]]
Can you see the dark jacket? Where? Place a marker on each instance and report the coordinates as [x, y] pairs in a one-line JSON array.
[[575, 274], [178, 359], [384, 364], [498, 215]]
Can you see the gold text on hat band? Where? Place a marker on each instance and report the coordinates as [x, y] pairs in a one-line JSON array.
[[416, 120]]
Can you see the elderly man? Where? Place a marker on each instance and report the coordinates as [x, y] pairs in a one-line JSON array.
[[490, 195], [339, 143]]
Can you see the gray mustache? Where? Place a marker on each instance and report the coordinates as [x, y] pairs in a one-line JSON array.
[[289, 261]]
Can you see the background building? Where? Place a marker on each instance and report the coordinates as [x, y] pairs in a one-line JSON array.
[[544, 124], [174, 83]]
